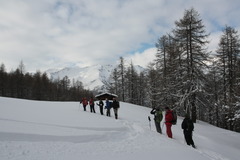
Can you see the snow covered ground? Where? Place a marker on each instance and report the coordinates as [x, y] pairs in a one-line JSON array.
[[33, 130]]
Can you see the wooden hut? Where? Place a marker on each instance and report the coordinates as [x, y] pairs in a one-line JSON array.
[[103, 96]]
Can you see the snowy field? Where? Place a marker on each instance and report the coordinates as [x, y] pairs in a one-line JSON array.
[[33, 130]]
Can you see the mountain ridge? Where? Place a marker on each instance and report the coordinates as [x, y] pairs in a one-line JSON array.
[[92, 77]]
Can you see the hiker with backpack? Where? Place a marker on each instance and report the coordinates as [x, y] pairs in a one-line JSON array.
[[187, 126], [157, 118], [168, 121], [115, 106], [108, 107]]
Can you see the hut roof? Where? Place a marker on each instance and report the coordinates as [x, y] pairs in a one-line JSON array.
[[103, 96]]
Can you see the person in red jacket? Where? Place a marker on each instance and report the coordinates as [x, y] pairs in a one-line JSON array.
[[85, 103], [168, 121]]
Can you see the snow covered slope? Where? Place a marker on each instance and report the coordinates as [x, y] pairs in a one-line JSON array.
[[33, 130]]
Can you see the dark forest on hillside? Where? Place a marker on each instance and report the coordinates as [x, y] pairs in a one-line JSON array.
[[38, 86]]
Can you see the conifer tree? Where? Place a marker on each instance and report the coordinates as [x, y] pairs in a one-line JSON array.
[[190, 34], [228, 67]]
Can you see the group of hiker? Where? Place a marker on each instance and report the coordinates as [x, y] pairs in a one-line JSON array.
[[108, 105], [170, 119]]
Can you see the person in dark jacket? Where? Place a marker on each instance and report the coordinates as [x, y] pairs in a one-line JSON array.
[[92, 104], [116, 106], [100, 104], [157, 118], [168, 121], [188, 127]]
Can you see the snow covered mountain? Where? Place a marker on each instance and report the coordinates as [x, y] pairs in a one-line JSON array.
[[38, 130], [92, 77]]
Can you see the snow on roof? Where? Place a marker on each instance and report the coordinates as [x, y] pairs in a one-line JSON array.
[[106, 93]]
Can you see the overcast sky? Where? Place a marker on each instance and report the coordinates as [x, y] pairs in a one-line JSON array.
[[59, 33]]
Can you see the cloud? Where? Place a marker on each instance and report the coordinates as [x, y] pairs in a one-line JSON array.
[[52, 34], [142, 58]]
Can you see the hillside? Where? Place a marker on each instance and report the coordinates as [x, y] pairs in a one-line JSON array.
[[33, 130]]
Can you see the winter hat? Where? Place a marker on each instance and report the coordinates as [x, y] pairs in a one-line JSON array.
[[167, 108], [187, 115]]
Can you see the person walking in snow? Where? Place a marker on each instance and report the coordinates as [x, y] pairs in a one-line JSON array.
[[168, 121], [116, 106], [100, 104], [188, 127], [108, 107], [157, 118], [91, 103], [85, 103]]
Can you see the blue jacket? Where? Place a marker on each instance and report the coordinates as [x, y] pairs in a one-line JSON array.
[[108, 104]]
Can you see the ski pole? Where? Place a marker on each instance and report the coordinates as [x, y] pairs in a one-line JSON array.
[[149, 119], [163, 125]]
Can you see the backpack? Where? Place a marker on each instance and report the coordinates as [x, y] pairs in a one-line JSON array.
[[158, 116], [110, 105], [190, 125], [174, 115]]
